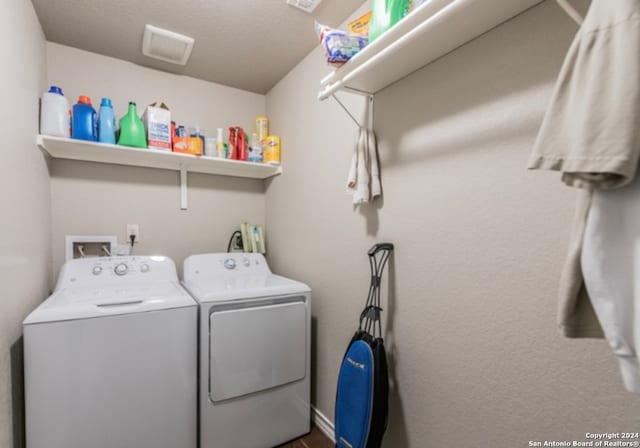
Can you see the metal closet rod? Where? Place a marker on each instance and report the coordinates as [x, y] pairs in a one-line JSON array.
[[571, 11]]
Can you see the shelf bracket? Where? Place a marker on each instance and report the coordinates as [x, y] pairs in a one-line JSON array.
[[369, 108], [183, 189], [571, 11]]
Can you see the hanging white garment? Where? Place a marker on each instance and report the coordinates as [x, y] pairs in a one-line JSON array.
[[363, 181], [372, 146], [590, 131], [611, 268]]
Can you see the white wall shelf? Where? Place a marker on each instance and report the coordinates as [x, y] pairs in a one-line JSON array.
[[431, 31], [66, 148]]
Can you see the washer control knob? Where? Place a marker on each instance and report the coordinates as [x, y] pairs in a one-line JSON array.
[[246, 262], [230, 263], [121, 269], [144, 268], [97, 270]]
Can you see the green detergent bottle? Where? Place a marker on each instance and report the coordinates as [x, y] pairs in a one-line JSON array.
[[385, 14], [132, 129]]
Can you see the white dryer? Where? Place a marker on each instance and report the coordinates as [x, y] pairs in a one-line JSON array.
[[255, 331], [110, 358]]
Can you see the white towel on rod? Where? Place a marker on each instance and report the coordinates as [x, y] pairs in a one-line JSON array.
[[364, 175], [376, 187]]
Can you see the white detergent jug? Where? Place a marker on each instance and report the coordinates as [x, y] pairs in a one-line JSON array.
[[55, 113]]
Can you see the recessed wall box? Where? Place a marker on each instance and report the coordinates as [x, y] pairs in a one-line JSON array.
[[79, 246]]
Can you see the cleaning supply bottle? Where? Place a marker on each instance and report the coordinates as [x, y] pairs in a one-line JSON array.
[[262, 127], [220, 145], [106, 122], [255, 149], [272, 150], [233, 150], [55, 114], [85, 120], [241, 143], [385, 14], [132, 129], [198, 132]]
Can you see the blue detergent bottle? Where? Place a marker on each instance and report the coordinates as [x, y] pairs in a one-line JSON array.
[[84, 124], [106, 122]]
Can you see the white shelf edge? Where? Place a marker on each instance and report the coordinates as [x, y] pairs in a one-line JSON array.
[[387, 38], [70, 149], [431, 31]]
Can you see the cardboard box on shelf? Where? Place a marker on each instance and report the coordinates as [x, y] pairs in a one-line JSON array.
[[188, 145], [157, 125]]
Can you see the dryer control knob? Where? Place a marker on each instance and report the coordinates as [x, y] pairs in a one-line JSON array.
[[144, 268], [230, 263], [121, 269], [246, 262], [97, 270]]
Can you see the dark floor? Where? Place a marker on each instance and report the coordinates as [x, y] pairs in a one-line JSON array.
[[315, 439]]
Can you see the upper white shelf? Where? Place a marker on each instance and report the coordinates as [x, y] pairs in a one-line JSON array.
[[431, 31], [66, 148]]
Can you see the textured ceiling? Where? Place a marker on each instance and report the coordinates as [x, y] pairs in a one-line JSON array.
[[248, 44]]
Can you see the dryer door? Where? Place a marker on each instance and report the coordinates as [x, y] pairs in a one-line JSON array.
[[257, 347]]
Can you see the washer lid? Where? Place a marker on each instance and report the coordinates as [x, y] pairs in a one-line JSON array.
[[83, 302], [232, 287]]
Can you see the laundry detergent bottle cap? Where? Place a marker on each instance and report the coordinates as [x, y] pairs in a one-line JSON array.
[[56, 89], [106, 102], [83, 99], [132, 129]]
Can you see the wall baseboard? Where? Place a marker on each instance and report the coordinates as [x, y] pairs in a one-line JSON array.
[[323, 423]]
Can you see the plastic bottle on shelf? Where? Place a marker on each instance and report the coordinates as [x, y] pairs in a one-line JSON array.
[[241, 140], [85, 120], [106, 122], [255, 149], [233, 150], [197, 132], [210, 147], [132, 129], [262, 127], [220, 145], [55, 114], [272, 150]]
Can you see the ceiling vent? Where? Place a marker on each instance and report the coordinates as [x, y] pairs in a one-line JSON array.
[[166, 45], [306, 5]]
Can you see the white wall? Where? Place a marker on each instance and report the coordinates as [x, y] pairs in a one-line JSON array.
[[90, 198], [476, 359], [25, 225]]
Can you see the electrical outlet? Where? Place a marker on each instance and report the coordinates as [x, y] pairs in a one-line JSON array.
[[133, 229]]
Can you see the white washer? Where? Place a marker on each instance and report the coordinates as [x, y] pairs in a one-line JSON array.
[[255, 331], [110, 358]]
